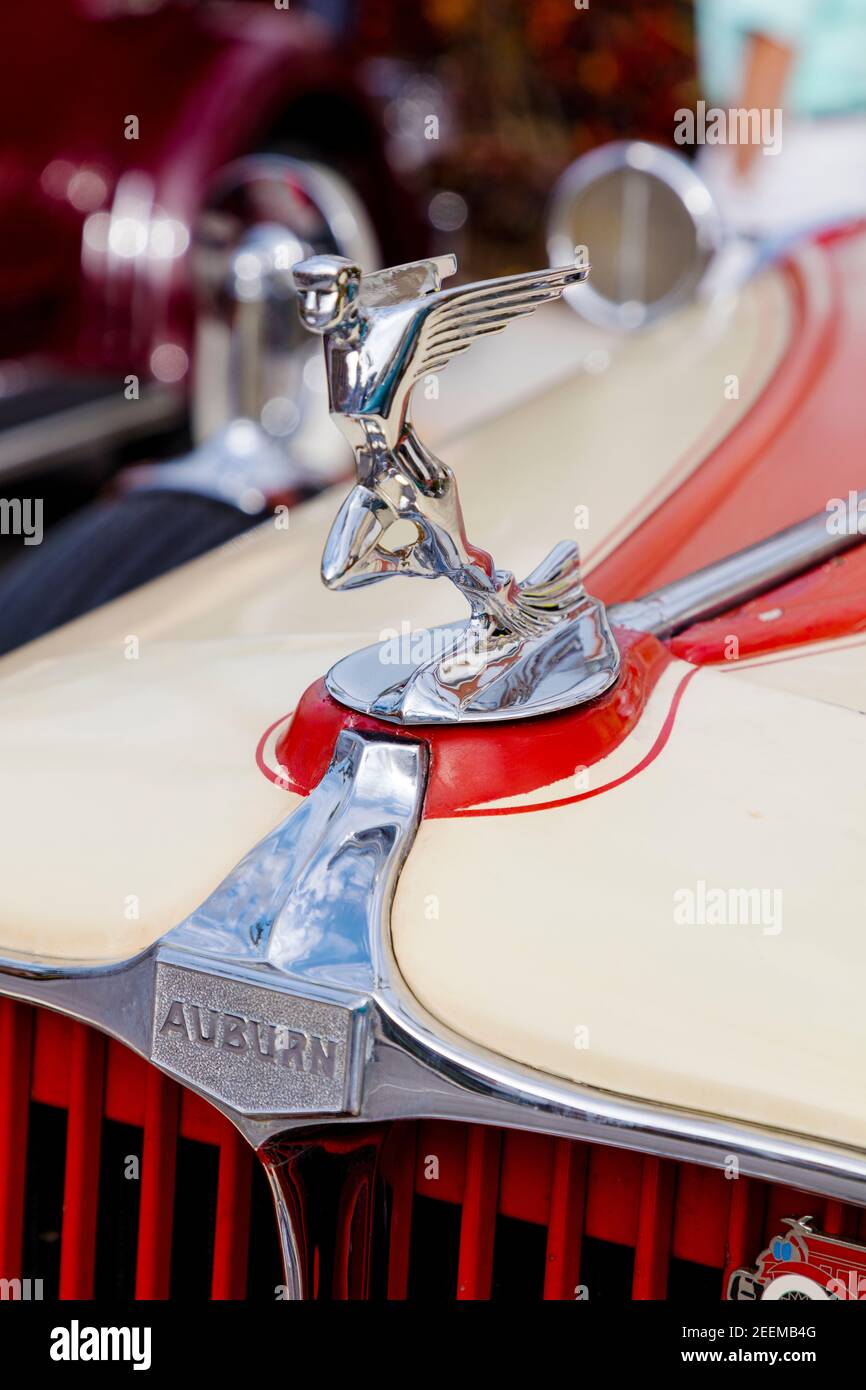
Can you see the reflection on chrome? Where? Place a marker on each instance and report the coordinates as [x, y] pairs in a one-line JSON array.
[[530, 646]]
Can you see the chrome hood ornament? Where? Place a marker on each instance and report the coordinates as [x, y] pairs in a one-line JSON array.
[[528, 647]]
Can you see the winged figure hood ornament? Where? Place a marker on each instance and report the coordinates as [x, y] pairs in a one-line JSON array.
[[528, 647]]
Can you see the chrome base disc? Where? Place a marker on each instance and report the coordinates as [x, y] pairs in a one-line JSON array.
[[414, 679]]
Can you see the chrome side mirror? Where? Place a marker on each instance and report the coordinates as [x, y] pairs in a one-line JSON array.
[[650, 225]]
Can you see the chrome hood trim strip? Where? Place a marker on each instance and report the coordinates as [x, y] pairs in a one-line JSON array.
[[739, 577]]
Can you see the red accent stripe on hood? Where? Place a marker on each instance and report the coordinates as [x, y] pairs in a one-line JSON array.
[[800, 444], [827, 602], [474, 764]]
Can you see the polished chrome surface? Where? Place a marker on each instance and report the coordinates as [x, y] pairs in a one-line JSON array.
[[261, 214], [308, 900], [650, 226], [528, 647], [253, 1047], [259, 411], [305, 920], [324, 1198], [240, 465], [483, 681], [290, 1232], [739, 577]]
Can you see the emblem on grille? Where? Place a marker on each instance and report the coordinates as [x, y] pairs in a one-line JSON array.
[[803, 1263], [259, 1050], [271, 1044], [530, 646]]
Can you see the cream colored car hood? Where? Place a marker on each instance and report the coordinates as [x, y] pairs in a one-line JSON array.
[[130, 783], [556, 936]]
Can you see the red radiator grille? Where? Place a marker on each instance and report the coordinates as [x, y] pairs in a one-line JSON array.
[[541, 1218], [466, 1211], [70, 1101]]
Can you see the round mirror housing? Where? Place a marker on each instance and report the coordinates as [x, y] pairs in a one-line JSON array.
[[650, 227]]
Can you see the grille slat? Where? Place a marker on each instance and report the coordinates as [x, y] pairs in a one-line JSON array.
[[232, 1226], [81, 1178], [839, 1220], [566, 1220], [403, 1155], [655, 1216], [746, 1221], [158, 1167], [480, 1205], [16, 1033]]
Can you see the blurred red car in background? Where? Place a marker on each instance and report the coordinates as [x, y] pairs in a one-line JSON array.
[[115, 116]]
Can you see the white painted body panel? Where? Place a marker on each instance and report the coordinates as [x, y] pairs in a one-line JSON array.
[[548, 923], [130, 787]]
